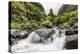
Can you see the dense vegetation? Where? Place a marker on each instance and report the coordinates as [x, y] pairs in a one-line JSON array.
[[30, 15]]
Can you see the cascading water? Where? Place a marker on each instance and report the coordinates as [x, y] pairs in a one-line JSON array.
[[26, 45]]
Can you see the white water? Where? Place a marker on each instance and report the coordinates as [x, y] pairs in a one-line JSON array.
[[26, 45]]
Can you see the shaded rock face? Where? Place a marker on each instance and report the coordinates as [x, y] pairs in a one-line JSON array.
[[71, 39], [67, 8], [71, 32], [19, 33], [73, 44]]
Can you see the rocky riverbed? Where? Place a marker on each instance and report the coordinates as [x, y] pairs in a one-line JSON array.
[[50, 36]]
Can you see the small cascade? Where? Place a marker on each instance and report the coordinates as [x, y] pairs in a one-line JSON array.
[[32, 42]]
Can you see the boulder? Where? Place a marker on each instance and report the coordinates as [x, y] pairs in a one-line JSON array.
[[45, 33], [72, 37], [15, 35], [71, 42], [71, 32]]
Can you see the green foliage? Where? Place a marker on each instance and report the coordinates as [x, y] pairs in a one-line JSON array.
[[27, 9], [47, 24], [66, 17], [30, 15]]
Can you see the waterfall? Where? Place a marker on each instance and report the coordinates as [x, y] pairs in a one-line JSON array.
[[26, 45]]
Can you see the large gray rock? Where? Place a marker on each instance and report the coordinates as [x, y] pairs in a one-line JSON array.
[[15, 35], [42, 35], [71, 39], [71, 42], [45, 32], [71, 32]]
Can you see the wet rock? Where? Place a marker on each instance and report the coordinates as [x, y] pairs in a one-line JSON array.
[[18, 33], [45, 33], [15, 35], [71, 37], [71, 42], [71, 32]]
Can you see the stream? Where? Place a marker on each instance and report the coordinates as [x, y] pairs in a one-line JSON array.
[[27, 45]]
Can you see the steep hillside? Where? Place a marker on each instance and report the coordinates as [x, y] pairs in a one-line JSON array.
[[67, 8], [25, 14]]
